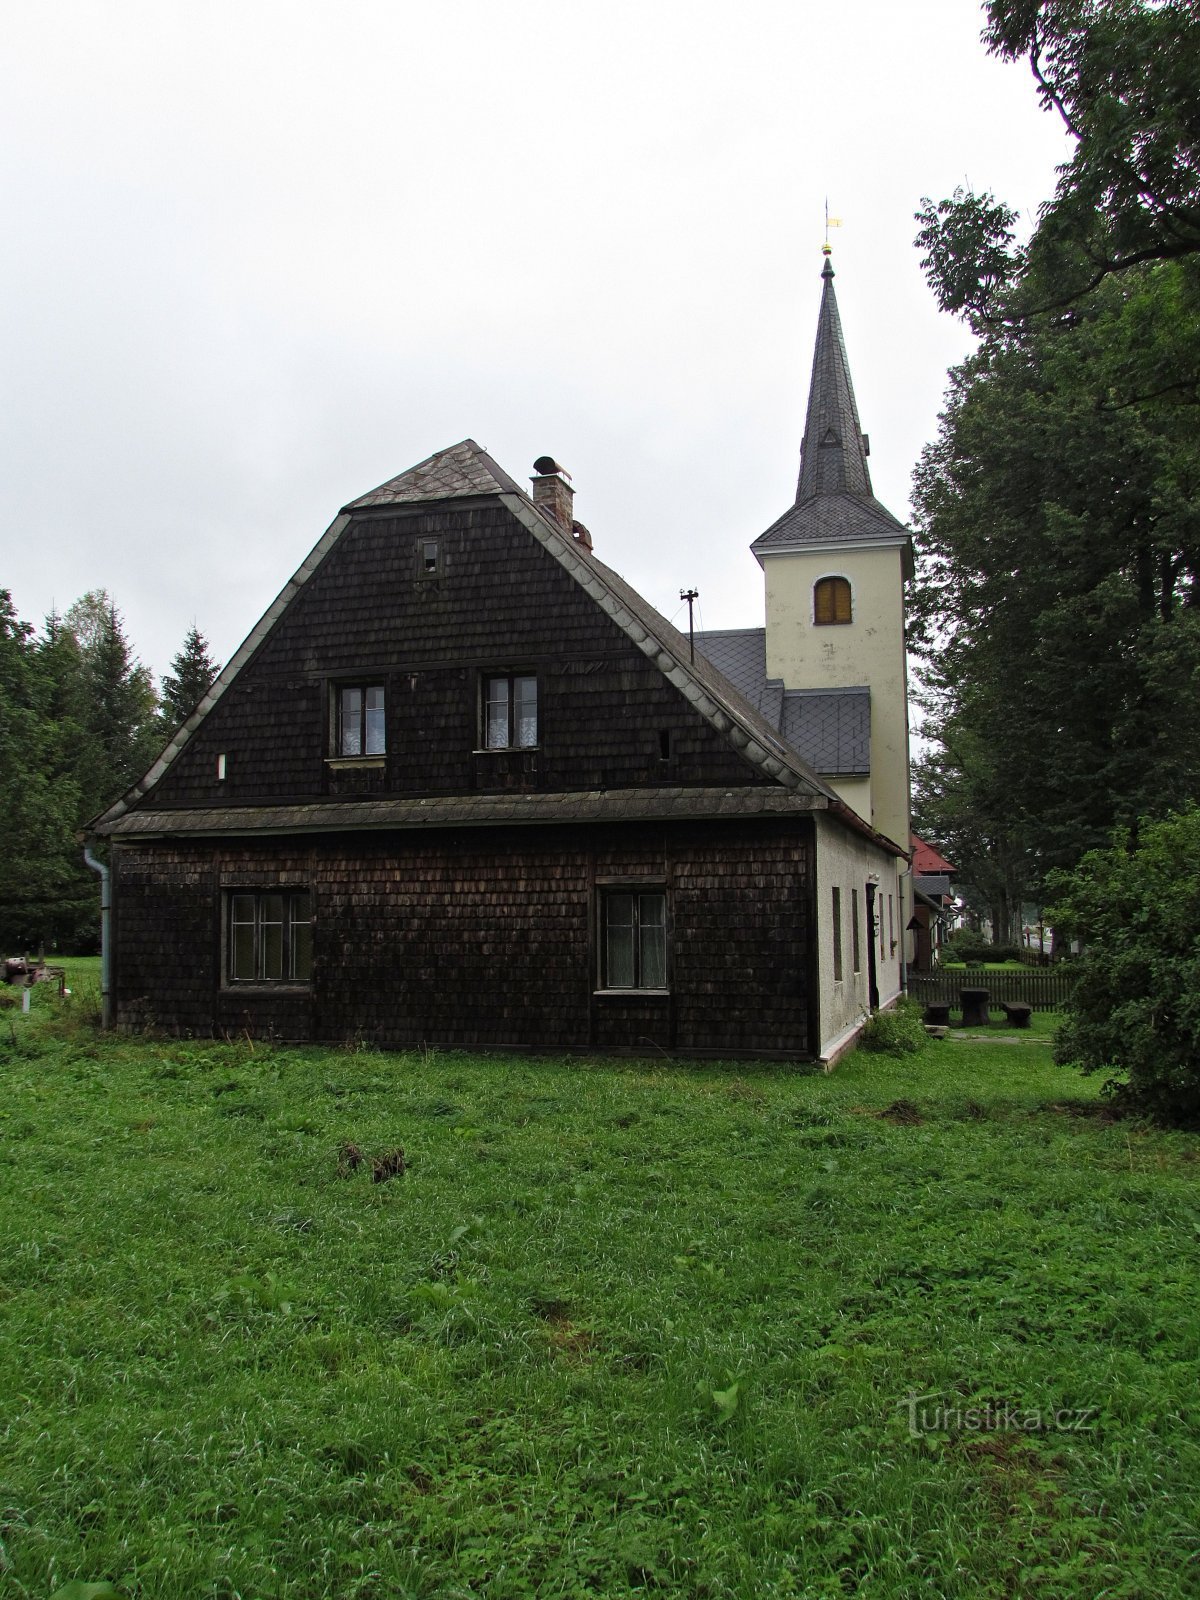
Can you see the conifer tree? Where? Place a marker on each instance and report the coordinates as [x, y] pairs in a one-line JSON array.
[[192, 674], [118, 704], [43, 900]]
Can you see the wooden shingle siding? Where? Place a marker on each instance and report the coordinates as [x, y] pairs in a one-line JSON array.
[[483, 937], [500, 602]]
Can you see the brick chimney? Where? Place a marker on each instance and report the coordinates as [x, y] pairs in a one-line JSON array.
[[552, 492]]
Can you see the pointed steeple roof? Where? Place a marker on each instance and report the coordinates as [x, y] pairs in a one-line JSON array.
[[833, 454], [835, 504]]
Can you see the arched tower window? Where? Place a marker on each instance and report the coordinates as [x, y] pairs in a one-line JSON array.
[[831, 601]]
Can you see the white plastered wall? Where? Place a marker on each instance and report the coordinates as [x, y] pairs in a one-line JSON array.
[[845, 861]]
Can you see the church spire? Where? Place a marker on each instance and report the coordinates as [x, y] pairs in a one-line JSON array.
[[833, 455]]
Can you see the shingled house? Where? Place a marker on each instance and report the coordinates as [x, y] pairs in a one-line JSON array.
[[463, 786]]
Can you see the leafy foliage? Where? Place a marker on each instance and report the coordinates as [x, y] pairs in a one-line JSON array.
[[1056, 609], [1135, 1009], [1124, 76], [39, 801], [896, 1032]]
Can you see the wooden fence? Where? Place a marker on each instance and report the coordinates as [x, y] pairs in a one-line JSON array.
[[1045, 989]]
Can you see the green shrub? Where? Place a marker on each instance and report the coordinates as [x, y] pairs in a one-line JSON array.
[[964, 945], [897, 1032], [1134, 1010]]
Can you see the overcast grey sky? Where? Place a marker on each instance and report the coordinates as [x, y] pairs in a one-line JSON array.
[[261, 256]]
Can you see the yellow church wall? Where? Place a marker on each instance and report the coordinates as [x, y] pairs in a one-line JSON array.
[[868, 650]]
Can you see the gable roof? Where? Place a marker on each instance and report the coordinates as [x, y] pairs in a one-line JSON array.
[[835, 504], [463, 469], [927, 859]]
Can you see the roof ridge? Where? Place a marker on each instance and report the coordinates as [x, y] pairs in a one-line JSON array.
[[461, 469]]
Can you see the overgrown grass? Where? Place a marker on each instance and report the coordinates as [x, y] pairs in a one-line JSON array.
[[615, 1330]]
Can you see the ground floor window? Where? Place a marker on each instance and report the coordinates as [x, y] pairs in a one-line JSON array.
[[269, 936], [633, 939]]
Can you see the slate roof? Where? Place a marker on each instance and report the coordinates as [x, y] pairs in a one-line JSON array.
[[463, 469], [935, 885], [830, 728], [834, 503]]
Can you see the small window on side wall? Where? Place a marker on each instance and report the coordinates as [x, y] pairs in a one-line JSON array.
[[831, 601], [510, 711], [361, 726], [269, 936], [633, 939]]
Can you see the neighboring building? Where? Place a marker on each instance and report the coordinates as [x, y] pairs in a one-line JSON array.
[[463, 786], [933, 911]]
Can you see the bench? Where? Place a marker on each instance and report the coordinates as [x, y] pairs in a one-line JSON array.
[[1017, 1012], [937, 1016]]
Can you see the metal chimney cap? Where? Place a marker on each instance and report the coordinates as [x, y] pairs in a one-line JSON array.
[[547, 464]]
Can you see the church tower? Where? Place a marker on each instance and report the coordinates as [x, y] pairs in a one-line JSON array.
[[835, 564]]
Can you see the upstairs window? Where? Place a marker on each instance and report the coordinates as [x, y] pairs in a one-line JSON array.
[[633, 939], [831, 601], [510, 711], [360, 720], [429, 557], [269, 936]]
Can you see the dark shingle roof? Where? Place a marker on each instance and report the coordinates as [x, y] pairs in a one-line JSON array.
[[834, 500], [830, 728], [934, 884], [832, 519], [463, 469], [476, 810]]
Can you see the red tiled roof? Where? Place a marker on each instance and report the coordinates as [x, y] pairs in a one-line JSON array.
[[927, 861]]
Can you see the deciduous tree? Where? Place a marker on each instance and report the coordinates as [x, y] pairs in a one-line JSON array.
[[1134, 1012], [1059, 537], [1124, 77]]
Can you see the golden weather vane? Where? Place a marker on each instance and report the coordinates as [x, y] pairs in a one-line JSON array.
[[830, 222]]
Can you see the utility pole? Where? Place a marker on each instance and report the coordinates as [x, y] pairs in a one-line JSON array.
[[690, 595]]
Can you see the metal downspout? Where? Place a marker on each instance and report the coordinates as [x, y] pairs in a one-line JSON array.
[[105, 936], [900, 877]]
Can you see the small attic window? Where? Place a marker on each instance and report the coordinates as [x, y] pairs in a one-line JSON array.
[[831, 601], [429, 557]]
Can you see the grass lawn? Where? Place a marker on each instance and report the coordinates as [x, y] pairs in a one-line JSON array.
[[988, 966], [925, 1327]]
